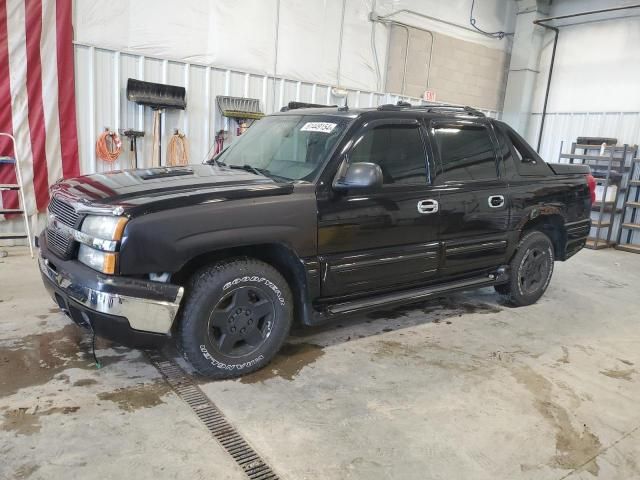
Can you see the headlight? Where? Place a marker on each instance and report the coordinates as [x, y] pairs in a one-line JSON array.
[[103, 227], [99, 237], [102, 261]]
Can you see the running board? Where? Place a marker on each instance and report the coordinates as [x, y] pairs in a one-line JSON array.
[[414, 295]]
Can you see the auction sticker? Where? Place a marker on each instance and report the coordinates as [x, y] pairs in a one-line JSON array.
[[322, 127]]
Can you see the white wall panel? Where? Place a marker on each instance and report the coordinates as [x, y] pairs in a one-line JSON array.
[[101, 78], [567, 126], [242, 35], [561, 129]]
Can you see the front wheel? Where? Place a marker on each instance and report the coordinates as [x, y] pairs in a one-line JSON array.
[[531, 270], [235, 318]]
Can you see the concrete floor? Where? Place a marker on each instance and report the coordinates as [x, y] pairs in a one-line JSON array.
[[457, 388]]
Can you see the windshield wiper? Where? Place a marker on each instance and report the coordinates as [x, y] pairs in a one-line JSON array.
[[216, 162], [263, 172]]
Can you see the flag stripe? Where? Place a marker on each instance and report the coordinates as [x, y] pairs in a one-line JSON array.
[[50, 88], [19, 102], [33, 24], [7, 173], [37, 98], [66, 90]]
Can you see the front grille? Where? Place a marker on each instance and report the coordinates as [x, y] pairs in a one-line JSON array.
[[64, 212], [60, 242]]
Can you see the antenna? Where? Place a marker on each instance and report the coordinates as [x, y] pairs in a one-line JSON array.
[[345, 107]]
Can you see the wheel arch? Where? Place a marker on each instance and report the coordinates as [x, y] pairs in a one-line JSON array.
[[280, 256], [552, 224]]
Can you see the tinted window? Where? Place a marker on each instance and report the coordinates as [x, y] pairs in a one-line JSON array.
[[527, 161], [466, 153], [293, 147], [399, 151]]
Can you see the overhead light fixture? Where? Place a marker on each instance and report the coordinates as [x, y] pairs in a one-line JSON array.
[[339, 92]]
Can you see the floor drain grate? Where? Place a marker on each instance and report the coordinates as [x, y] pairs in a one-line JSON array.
[[230, 439]]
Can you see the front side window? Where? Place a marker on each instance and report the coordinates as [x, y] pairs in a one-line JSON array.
[[466, 152], [397, 149], [289, 147]]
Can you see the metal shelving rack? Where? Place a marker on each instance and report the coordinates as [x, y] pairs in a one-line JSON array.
[[609, 167], [630, 218]]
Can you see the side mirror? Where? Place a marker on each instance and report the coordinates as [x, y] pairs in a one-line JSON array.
[[360, 175]]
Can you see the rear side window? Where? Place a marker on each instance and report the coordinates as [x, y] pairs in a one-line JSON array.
[[466, 153], [397, 149], [527, 162]]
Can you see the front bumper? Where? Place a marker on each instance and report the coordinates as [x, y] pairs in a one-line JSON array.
[[129, 311]]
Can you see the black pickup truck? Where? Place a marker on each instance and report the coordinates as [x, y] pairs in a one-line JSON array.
[[311, 214]]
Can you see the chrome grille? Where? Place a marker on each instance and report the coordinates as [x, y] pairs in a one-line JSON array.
[[64, 212], [60, 242]]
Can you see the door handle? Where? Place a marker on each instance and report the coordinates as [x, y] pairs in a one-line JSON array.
[[428, 206], [496, 201]]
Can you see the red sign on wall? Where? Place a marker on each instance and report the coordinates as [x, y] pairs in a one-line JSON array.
[[429, 96]]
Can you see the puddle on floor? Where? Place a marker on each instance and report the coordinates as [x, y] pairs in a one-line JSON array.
[[26, 421], [619, 374], [576, 447], [84, 382], [37, 359], [138, 396], [288, 363]]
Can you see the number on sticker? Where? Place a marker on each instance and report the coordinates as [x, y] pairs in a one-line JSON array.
[[322, 127]]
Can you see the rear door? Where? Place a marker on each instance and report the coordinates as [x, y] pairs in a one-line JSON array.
[[473, 193], [384, 239]]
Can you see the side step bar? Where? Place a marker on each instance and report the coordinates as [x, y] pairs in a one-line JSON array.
[[416, 294]]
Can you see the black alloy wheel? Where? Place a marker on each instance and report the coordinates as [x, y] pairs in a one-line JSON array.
[[530, 269], [534, 270], [241, 321], [235, 317]]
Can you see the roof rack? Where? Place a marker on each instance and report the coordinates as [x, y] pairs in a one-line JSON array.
[[296, 105], [438, 107]]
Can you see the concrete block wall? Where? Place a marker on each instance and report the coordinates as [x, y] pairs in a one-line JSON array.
[[460, 71]]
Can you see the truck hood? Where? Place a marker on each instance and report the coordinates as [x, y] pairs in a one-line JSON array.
[[147, 190]]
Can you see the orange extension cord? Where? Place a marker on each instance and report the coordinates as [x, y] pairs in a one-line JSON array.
[[108, 147], [178, 150]]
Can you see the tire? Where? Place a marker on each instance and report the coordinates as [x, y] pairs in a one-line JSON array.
[[531, 270], [235, 318]]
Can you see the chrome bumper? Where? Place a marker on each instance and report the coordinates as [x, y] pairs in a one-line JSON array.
[[143, 314]]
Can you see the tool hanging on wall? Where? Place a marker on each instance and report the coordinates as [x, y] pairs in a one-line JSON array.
[[178, 149], [242, 110], [158, 97], [219, 142], [132, 135], [108, 147]]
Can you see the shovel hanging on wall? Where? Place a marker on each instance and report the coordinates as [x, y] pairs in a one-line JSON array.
[[158, 97]]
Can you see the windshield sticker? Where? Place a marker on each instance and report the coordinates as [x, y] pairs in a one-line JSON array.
[[322, 127]]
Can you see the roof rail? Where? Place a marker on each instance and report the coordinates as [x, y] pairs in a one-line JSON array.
[[296, 105], [437, 107]]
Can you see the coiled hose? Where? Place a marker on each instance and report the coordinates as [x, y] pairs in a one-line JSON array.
[[178, 150], [108, 147]]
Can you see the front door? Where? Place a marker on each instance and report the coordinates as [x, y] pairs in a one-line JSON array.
[[474, 200], [379, 240]]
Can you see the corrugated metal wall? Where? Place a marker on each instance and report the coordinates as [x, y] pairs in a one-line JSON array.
[[561, 129], [101, 78]]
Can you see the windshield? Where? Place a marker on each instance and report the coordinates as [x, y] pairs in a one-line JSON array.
[[291, 147]]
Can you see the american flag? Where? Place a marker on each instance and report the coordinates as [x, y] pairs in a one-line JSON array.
[[37, 97]]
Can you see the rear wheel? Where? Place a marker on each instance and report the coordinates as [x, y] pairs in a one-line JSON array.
[[235, 318], [531, 270]]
